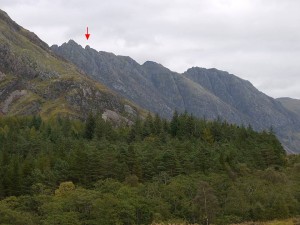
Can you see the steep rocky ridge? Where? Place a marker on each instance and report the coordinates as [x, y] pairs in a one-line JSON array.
[[150, 85], [208, 93], [34, 80], [263, 110]]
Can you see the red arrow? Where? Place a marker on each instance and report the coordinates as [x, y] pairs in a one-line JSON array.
[[87, 35]]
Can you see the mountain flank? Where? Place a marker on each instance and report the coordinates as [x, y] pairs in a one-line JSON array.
[[60, 81], [291, 104], [205, 93], [34, 80]]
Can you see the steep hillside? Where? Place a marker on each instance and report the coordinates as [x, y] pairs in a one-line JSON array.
[[208, 93], [186, 95], [150, 85], [121, 74], [34, 80], [263, 110], [291, 104]]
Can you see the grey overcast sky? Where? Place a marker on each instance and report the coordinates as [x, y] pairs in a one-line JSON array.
[[257, 40]]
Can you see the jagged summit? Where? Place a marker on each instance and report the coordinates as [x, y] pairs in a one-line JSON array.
[[34, 80], [152, 63], [155, 66], [72, 42]]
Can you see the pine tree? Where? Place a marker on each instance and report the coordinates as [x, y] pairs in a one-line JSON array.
[[133, 162], [174, 125], [90, 127], [136, 130], [157, 125], [36, 122], [100, 128], [148, 125]]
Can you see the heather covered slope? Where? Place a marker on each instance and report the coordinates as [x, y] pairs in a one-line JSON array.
[[33, 80]]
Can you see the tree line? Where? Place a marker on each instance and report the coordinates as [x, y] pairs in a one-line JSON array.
[[67, 171]]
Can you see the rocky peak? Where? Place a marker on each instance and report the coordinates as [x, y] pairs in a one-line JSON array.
[[35, 81], [153, 66]]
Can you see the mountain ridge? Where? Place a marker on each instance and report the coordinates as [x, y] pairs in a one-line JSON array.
[[37, 79], [34, 80], [208, 93]]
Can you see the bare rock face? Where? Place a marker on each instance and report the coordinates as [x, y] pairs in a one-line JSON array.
[[12, 97], [114, 117], [2, 76], [130, 110]]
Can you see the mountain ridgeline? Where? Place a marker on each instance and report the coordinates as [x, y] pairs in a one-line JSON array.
[[36, 79], [205, 93], [33, 80]]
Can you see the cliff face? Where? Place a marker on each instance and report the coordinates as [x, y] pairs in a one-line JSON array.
[[208, 93], [33, 80]]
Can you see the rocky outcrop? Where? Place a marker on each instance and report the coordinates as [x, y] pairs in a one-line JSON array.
[[12, 97], [116, 118], [131, 111], [2, 76]]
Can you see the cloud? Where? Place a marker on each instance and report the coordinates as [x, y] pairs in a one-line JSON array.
[[258, 40]]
